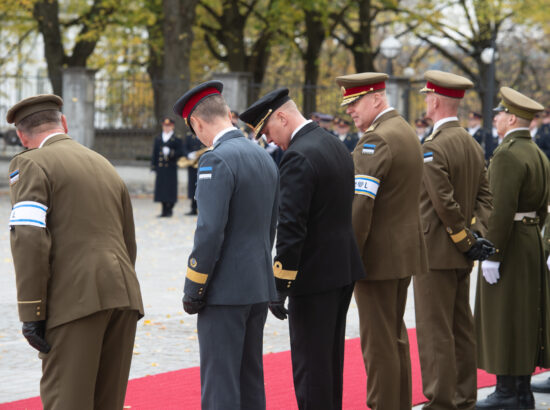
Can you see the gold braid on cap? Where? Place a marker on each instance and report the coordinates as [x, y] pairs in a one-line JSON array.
[[258, 127]]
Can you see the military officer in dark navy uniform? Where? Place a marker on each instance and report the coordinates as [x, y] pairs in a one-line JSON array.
[[542, 138], [317, 260], [481, 135], [343, 131], [167, 148], [229, 279], [192, 148]]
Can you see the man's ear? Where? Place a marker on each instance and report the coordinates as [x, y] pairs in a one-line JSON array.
[[64, 123], [23, 138]]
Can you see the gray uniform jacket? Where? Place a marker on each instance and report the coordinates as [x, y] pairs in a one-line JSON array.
[[237, 197]]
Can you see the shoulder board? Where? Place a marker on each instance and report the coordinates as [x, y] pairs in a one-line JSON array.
[[371, 128]]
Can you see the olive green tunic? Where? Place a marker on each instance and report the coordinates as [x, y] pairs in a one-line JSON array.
[[512, 315]]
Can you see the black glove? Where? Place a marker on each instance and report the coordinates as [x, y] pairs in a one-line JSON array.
[[192, 305], [278, 307], [481, 249], [34, 333]]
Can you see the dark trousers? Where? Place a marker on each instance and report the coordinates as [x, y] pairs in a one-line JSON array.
[[446, 338], [89, 363], [385, 342], [317, 338], [230, 343]]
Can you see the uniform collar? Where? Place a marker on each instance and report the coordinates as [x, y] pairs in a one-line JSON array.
[[48, 137], [381, 113], [299, 127], [222, 133], [442, 121]]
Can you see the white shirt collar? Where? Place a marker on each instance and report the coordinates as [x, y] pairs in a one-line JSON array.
[[381, 113], [474, 129], [48, 137], [444, 121], [516, 129], [299, 127], [166, 135], [222, 133]]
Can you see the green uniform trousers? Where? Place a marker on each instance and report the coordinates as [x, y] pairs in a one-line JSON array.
[[446, 339], [89, 363], [385, 342]]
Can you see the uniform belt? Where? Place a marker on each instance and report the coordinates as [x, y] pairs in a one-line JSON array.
[[527, 218], [520, 215]]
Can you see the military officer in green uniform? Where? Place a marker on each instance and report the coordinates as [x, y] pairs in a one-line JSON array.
[[455, 191], [386, 221], [512, 302], [74, 250]]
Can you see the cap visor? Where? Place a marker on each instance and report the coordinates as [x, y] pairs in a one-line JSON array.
[[348, 101], [500, 108]]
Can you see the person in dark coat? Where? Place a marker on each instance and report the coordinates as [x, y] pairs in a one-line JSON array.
[[229, 279], [343, 131], [317, 260], [192, 148], [542, 138], [167, 149], [481, 135]]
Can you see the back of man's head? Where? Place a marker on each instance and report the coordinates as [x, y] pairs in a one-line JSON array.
[[212, 108], [40, 122]]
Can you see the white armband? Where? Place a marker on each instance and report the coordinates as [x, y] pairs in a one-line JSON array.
[[29, 213]]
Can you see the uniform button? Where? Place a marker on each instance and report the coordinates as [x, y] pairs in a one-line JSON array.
[[38, 308], [37, 313]]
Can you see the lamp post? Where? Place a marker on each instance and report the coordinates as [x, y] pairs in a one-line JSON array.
[[390, 48], [488, 56]]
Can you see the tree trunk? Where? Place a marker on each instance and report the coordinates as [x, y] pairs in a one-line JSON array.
[[315, 34], [45, 12], [362, 50], [168, 66]]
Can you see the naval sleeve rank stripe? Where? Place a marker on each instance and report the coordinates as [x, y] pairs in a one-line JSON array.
[[196, 277], [366, 185], [281, 273], [29, 213], [457, 237]]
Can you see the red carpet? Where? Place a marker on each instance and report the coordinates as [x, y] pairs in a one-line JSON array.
[[181, 389]]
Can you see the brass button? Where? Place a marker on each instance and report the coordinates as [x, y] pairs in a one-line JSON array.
[[37, 313]]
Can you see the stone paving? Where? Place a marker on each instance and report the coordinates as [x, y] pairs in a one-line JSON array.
[[166, 338]]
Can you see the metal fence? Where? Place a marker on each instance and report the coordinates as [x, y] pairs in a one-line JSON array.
[[128, 103]]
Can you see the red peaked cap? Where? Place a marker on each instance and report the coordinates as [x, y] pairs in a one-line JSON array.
[[448, 92], [187, 103], [369, 88]]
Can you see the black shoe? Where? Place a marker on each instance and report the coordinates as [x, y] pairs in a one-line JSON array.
[[504, 396], [526, 400], [541, 387], [191, 212]]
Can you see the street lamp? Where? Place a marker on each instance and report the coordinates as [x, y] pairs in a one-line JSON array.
[[488, 56], [390, 48]]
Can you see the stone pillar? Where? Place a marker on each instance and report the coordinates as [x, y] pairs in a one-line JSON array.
[[235, 89], [397, 90], [78, 103]]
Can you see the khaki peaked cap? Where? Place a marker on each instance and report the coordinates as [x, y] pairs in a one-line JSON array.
[[32, 105]]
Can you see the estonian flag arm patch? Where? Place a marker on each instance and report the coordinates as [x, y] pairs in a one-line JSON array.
[[368, 149], [366, 185], [205, 172], [428, 157], [14, 177]]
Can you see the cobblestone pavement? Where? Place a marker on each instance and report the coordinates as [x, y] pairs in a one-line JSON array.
[[166, 338]]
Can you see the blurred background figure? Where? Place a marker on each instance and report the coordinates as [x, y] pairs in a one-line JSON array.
[[343, 131], [421, 126], [542, 137], [167, 149], [481, 135], [192, 151]]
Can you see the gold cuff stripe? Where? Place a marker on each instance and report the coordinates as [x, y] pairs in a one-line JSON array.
[[196, 276], [281, 273], [29, 301], [457, 237], [261, 123]]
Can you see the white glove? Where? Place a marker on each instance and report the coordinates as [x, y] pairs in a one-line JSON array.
[[490, 271], [192, 155], [165, 151], [548, 262]]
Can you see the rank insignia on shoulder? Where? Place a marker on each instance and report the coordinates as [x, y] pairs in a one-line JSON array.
[[368, 149], [428, 157], [205, 173], [371, 128], [14, 177]]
